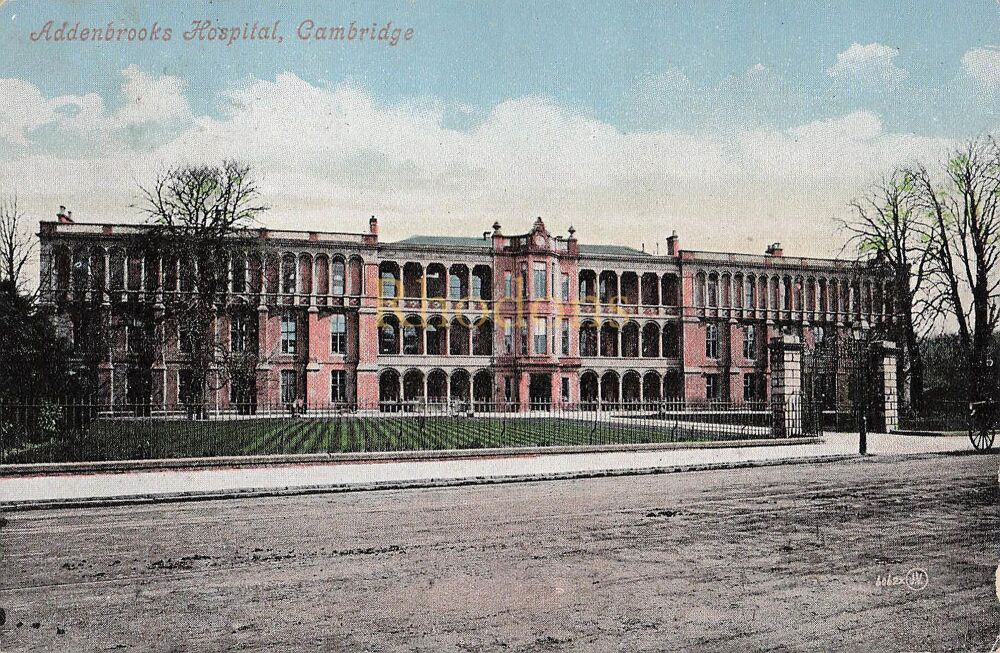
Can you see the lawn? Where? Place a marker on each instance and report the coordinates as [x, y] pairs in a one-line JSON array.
[[138, 438]]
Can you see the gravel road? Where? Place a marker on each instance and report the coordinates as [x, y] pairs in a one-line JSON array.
[[793, 557]]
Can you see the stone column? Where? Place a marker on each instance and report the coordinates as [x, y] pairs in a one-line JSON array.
[[884, 382], [265, 392], [364, 340], [318, 339], [786, 386], [524, 394], [158, 388]]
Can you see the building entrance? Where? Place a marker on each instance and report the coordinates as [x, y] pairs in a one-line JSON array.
[[540, 391]]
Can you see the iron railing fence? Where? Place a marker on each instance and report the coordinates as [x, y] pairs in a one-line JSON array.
[[937, 415], [49, 431]]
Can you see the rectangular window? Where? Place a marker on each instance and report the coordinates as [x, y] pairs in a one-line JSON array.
[[185, 338], [539, 287], [712, 340], [712, 389], [750, 343], [508, 337], [454, 287], [185, 387], [388, 285], [239, 274], [238, 328], [541, 335], [338, 333], [748, 293], [508, 388], [477, 287], [565, 287], [552, 282], [522, 336], [565, 388], [288, 335], [240, 390], [338, 386], [289, 386], [565, 337], [713, 292], [134, 337], [524, 280], [751, 387], [508, 285]]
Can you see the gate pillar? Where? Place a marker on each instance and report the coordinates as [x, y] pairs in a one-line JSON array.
[[885, 389], [786, 386]]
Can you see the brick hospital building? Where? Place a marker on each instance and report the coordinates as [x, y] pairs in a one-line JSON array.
[[511, 321]]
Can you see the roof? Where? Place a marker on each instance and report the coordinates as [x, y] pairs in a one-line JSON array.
[[614, 250], [445, 241]]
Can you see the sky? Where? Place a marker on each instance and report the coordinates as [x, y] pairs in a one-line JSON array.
[[737, 124]]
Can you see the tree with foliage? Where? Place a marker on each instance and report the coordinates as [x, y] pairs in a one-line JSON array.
[[961, 206], [201, 216], [35, 363], [888, 225]]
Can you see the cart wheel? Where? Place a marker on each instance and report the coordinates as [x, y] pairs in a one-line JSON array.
[[982, 432]]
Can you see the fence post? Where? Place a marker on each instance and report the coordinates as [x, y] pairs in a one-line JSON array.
[[884, 382], [786, 386]]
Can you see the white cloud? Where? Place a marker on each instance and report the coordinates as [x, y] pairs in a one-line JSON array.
[[983, 65], [26, 110], [83, 120], [149, 99], [873, 64], [328, 157]]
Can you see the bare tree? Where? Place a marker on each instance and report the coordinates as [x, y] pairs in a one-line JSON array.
[[888, 224], [962, 206], [17, 245], [200, 216]]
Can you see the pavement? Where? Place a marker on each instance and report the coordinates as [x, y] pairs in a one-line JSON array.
[[61, 489]]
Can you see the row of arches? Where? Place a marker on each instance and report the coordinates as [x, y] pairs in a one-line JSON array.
[[436, 281], [648, 289], [630, 387], [436, 386], [94, 268], [867, 297], [629, 341], [435, 336]]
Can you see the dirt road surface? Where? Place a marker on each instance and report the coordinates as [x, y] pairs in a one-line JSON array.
[[793, 557]]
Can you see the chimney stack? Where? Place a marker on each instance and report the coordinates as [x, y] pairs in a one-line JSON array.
[[373, 225], [673, 244], [775, 250], [64, 216]]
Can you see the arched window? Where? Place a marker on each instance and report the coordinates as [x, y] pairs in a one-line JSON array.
[[388, 335], [588, 339], [337, 272], [288, 274], [413, 336], [713, 290], [482, 338]]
